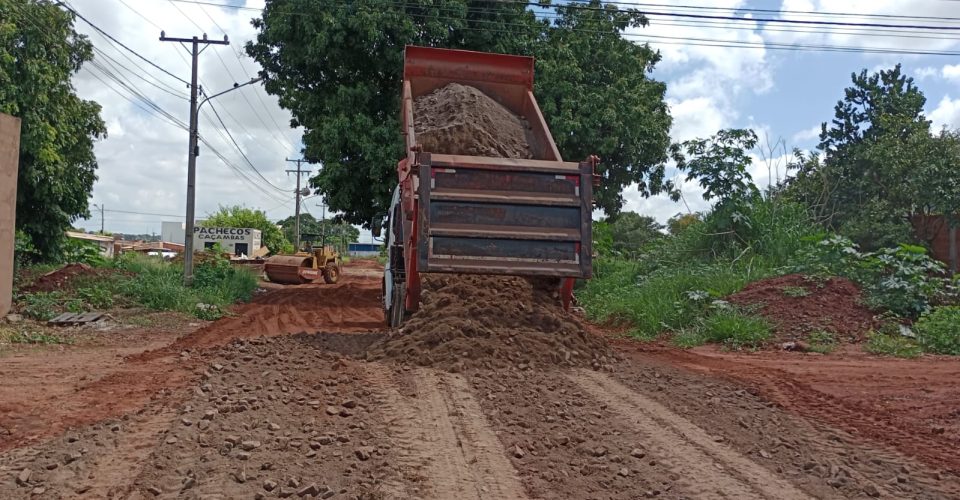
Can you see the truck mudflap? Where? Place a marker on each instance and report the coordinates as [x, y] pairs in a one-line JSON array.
[[484, 215]]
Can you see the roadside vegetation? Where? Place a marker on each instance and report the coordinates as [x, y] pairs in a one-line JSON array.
[[673, 282], [133, 280]]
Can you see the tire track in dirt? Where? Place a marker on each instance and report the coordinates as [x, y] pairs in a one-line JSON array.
[[451, 452], [710, 469]]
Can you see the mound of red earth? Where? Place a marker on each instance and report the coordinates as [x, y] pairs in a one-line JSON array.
[[62, 278], [798, 305], [461, 120], [491, 322]]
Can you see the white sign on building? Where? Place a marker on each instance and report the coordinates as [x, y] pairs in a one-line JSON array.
[[233, 240]]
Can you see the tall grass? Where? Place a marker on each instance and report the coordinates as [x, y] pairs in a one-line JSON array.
[[159, 285], [671, 286]]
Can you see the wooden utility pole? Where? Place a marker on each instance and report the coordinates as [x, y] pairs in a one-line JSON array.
[[298, 171], [192, 147]]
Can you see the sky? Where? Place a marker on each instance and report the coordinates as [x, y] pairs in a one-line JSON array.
[[784, 95]]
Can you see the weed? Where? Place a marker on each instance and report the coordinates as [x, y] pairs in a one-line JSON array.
[[735, 329], [689, 337], [822, 341], [938, 331], [27, 337], [41, 306], [795, 291], [893, 345]]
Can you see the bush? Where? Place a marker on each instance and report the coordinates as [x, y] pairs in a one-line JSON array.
[[903, 280], [893, 345], [41, 306], [938, 331], [727, 326]]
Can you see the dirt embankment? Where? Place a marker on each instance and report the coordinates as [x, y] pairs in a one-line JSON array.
[[798, 305]]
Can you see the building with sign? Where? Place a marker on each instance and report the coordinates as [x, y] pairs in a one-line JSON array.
[[238, 241]]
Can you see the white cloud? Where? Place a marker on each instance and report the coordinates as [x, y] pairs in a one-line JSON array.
[[926, 73], [951, 72], [854, 37], [806, 134], [946, 114]]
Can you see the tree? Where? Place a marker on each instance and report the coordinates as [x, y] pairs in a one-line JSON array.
[[39, 52], [631, 231], [874, 155], [336, 233], [338, 68], [720, 164], [238, 216]]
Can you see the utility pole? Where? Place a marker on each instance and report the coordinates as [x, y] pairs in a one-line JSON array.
[[323, 224], [100, 207], [298, 194], [192, 148]]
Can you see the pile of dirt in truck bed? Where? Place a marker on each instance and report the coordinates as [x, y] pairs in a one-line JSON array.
[[798, 306], [459, 119], [475, 321]]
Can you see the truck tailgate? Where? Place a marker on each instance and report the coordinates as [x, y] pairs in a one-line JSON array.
[[504, 216]]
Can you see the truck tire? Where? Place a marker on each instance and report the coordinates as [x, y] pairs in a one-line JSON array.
[[395, 313], [331, 273]]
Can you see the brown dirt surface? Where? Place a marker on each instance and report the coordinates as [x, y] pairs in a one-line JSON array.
[[493, 322], [266, 414], [461, 120], [798, 306]]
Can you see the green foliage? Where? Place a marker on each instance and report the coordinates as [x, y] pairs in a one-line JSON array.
[[328, 231], [159, 285], [42, 306], [735, 329], [880, 166], [37, 337], [720, 164], [822, 341], [795, 291], [82, 252], [667, 299], [240, 217], [903, 280], [680, 222], [602, 238], [338, 67], [893, 345], [938, 330], [39, 53], [630, 232]]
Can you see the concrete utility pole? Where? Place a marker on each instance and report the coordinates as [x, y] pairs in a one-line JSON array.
[[193, 151], [323, 224], [298, 194], [100, 208]]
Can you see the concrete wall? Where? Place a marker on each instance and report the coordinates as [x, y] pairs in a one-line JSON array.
[[9, 161]]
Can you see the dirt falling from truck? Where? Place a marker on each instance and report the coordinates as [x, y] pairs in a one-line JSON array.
[[479, 321]]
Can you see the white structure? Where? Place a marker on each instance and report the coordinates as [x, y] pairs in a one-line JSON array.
[[236, 241], [104, 242], [172, 232]]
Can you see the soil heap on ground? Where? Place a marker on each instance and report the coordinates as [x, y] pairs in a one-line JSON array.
[[798, 306], [477, 320], [461, 120]]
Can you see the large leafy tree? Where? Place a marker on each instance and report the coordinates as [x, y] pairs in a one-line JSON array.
[[238, 216], [332, 231], [632, 231], [720, 164], [876, 153], [39, 52], [338, 67]]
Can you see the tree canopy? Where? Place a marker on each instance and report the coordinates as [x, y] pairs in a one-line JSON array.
[[238, 216], [39, 52], [335, 233], [631, 231], [338, 68], [877, 165], [720, 164]]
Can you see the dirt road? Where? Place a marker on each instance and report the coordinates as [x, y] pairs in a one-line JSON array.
[[277, 402]]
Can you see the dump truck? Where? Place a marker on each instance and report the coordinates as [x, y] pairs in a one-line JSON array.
[[464, 214]]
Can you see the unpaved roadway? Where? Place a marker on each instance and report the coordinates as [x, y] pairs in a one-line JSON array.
[[277, 402]]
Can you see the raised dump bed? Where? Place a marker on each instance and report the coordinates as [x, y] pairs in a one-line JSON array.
[[485, 214]]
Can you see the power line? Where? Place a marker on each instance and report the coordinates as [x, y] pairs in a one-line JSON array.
[[142, 213], [118, 42], [234, 141]]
